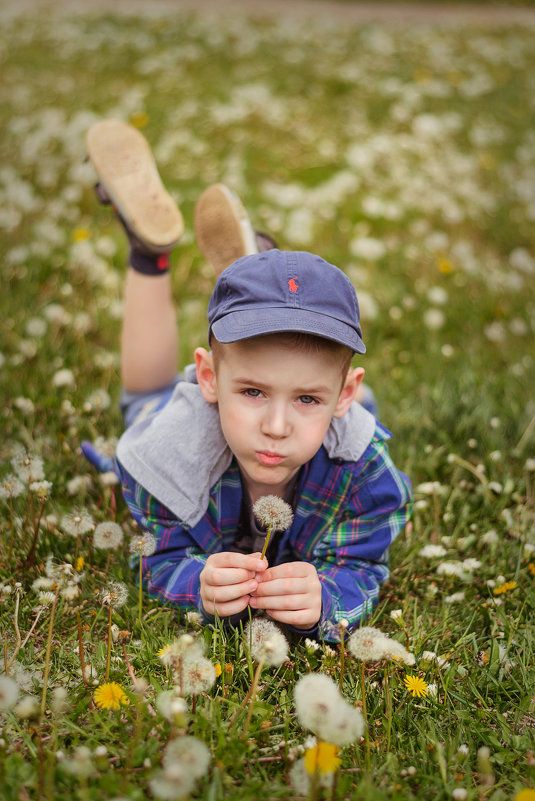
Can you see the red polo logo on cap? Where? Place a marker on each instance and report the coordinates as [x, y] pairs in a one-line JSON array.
[[292, 285]]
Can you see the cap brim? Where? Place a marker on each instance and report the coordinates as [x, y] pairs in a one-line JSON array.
[[239, 325]]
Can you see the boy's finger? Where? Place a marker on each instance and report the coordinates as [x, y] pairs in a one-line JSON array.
[[221, 576], [229, 592], [246, 561]]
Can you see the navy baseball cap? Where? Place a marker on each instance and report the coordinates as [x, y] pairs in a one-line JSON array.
[[277, 291]]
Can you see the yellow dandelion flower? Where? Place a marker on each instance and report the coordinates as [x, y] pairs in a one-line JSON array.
[[80, 234], [531, 568], [507, 587], [110, 696], [416, 685], [218, 670], [139, 119], [526, 795], [80, 562], [444, 265], [322, 757]]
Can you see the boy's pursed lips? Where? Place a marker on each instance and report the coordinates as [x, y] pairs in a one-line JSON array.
[[269, 457]]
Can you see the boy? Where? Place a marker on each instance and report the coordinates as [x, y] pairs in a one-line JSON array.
[[269, 410]]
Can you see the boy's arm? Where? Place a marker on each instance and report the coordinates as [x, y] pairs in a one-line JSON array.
[[173, 571], [352, 558]]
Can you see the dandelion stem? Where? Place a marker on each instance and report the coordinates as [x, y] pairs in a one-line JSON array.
[[81, 647], [140, 587], [266, 543], [342, 657], [31, 553], [48, 650], [12, 526], [388, 707], [365, 714], [254, 688], [108, 655]]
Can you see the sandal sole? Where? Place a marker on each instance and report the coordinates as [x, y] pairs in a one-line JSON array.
[[126, 169], [222, 227]]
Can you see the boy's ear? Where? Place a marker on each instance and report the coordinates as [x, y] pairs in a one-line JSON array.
[[349, 391], [204, 362]]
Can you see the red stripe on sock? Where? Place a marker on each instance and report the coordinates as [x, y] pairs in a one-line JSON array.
[[163, 261]]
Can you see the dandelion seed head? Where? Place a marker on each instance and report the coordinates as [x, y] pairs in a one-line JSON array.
[[273, 513], [115, 594], [11, 487], [343, 726], [81, 763], [395, 650], [77, 523], [143, 544], [28, 466], [267, 642], [59, 702], [198, 675], [173, 784], [70, 592], [171, 654], [107, 535], [367, 644], [189, 752], [9, 692], [316, 699], [27, 708]]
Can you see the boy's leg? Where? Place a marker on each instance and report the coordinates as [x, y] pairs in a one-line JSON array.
[[128, 179]]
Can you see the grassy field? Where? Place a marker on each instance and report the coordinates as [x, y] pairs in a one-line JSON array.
[[407, 157]]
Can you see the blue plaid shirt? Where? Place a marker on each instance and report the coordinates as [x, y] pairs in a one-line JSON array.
[[346, 516]]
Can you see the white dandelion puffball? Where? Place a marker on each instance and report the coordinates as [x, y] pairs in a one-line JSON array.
[[115, 594], [9, 692], [189, 752], [77, 523], [107, 535], [143, 544], [273, 512], [197, 675], [367, 643], [267, 642], [321, 708]]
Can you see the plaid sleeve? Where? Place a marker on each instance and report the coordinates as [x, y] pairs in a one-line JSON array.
[[173, 571], [352, 557]]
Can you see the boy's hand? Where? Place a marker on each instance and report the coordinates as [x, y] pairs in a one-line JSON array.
[[227, 580], [290, 593]]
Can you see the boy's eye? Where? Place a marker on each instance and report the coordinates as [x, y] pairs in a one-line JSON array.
[[308, 400], [252, 393]]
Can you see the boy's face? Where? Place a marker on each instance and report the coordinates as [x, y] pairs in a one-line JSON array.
[[275, 406]]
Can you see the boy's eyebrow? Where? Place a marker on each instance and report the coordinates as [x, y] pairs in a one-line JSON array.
[[319, 389]]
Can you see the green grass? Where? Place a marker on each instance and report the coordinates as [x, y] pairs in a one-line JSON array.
[[421, 139]]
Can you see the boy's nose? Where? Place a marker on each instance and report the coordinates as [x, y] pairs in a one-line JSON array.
[[275, 422]]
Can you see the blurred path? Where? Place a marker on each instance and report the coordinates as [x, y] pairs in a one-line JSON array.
[[394, 13]]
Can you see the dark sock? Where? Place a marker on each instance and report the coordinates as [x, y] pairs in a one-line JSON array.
[[148, 263]]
